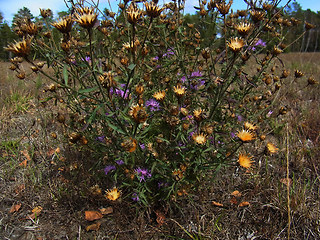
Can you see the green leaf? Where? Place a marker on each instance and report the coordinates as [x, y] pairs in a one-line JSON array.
[[114, 127], [93, 114], [88, 90], [46, 99], [161, 26], [65, 75], [131, 66]]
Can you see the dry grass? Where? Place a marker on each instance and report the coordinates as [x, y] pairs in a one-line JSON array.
[[65, 195]]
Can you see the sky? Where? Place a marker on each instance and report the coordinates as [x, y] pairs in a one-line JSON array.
[[10, 7]]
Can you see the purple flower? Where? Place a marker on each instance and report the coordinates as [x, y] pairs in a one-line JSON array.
[[87, 59], [196, 74], [142, 146], [153, 104], [109, 168], [156, 58], [168, 53], [240, 118], [232, 134], [269, 113], [183, 79], [196, 85], [101, 139], [143, 173], [135, 197], [260, 43], [119, 162], [119, 91], [195, 82]]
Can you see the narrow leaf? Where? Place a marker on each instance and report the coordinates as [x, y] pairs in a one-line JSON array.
[[65, 74]]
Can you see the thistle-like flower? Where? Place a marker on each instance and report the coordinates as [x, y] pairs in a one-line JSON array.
[[133, 14], [224, 8], [245, 136], [179, 90], [21, 48], [40, 64], [29, 27], [236, 44], [243, 29], [276, 51], [138, 113], [245, 160], [298, 73], [159, 95], [87, 18], [113, 194], [199, 138], [64, 25], [250, 127], [132, 46], [107, 80], [271, 148], [257, 16], [242, 13], [129, 144], [85, 10], [21, 75], [177, 174], [312, 81], [309, 26], [197, 114], [205, 53], [285, 73], [45, 12], [153, 10]]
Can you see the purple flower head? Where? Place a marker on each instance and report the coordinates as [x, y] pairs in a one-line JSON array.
[[269, 113], [135, 197], [153, 105], [143, 173], [109, 168], [119, 162], [86, 59], [101, 139], [261, 43], [183, 79], [191, 134], [156, 58], [119, 91], [239, 118], [142, 146], [168, 53], [196, 85], [196, 74], [232, 134]]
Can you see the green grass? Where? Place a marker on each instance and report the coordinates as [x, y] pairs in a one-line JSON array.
[[18, 101]]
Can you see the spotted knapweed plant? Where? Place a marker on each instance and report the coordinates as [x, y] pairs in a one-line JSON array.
[[161, 99]]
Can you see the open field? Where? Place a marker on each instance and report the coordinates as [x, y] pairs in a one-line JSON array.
[[38, 169]]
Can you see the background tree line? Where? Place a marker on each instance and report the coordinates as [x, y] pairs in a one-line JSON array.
[[310, 42]]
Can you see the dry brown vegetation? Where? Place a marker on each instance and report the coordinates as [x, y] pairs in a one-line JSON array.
[[31, 176]]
